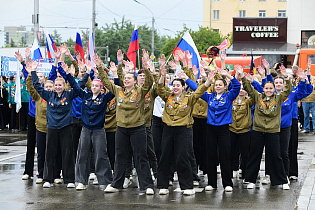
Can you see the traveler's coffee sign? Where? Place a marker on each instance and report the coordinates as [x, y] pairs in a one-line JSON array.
[[259, 29]]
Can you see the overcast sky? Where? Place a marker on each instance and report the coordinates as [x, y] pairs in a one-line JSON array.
[[170, 15]]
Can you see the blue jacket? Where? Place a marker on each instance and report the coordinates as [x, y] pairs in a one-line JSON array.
[[59, 109], [93, 110], [219, 110], [31, 102]]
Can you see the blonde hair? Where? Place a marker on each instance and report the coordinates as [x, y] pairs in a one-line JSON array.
[[61, 79], [49, 81]]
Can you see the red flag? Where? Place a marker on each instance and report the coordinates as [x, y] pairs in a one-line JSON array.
[[133, 47]]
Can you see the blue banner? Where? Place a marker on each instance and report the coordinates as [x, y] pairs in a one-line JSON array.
[[8, 66]]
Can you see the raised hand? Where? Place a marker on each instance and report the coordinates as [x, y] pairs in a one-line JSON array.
[[28, 52], [18, 56], [261, 71], [301, 74], [189, 56], [195, 71], [205, 65], [223, 55], [266, 64], [145, 54], [144, 63], [163, 72], [29, 67], [202, 71], [113, 67], [65, 67], [86, 55], [283, 71], [57, 54], [176, 58], [78, 55], [183, 76], [239, 70], [181, 54], [131, 66], [68, 52], [309, 63], [97, 60], [88, 65], [162, 60], [249, 77], [172, 65], [72, 70], [63, 48], [120, 56]]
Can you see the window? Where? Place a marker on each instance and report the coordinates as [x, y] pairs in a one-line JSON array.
[[262, 13], [216, 14], [262, 0], [215, 30], [242, 13], [215, 0], [281, 13], [242, 0]]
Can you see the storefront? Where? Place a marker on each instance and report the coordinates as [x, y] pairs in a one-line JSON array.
[[262, 36]]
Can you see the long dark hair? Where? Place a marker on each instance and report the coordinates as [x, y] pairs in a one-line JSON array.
[[270, 83]]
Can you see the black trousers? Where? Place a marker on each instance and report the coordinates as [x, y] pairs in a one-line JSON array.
[[24, 116], [241, 141], [134, 139], [271, 142], [175, 145], [150, 151], [301, 116], [59, 138], [218, 144], [30, 146], [110, 136], [199, 142], [285, 134], [76, 132], [14, 118], [41, 150], [157, 131], [293, 146], [191, 155]]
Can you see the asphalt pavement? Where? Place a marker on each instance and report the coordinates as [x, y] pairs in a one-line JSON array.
[[16, 193]]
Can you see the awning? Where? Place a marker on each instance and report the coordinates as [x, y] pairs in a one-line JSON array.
[[262, 48]]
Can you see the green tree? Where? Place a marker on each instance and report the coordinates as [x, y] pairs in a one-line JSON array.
[[12, 43], [203, 38], [56, 37], [22, 42]]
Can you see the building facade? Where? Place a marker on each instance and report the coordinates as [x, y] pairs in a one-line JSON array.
[[219, 14], [18, 35]]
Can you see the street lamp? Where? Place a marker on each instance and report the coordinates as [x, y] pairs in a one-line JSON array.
[[152, 49]]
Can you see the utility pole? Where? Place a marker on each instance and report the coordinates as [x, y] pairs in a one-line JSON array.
[[35, 18], [152, 53], [93, 20]]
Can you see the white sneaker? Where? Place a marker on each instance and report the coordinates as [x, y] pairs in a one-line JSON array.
[[196, 183], [39, 181], [251, 185], [164, 192], [235, 174], [47, 185], [286, 187], [293, 177], [209, 188], [58, 181], [110, 189], [189, 192], [228, 189], [95, 181], [149, 191], [288, 180], [92, 176], [25, 177], [245, 182], [127, 182], [266, 180], [70, 185], [81, 187]]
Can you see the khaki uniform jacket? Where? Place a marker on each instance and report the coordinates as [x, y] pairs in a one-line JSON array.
[[267, 117], [41, 106], [130, 105], [179, 113], [110, 116], [241, 115]]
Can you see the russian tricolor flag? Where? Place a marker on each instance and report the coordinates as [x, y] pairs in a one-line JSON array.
[[133, 47], [51, 46], [91, 47], [36, 54], [79, 46], [187, 43]]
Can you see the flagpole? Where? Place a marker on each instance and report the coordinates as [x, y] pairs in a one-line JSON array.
[[138, 59], [168, 59]]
